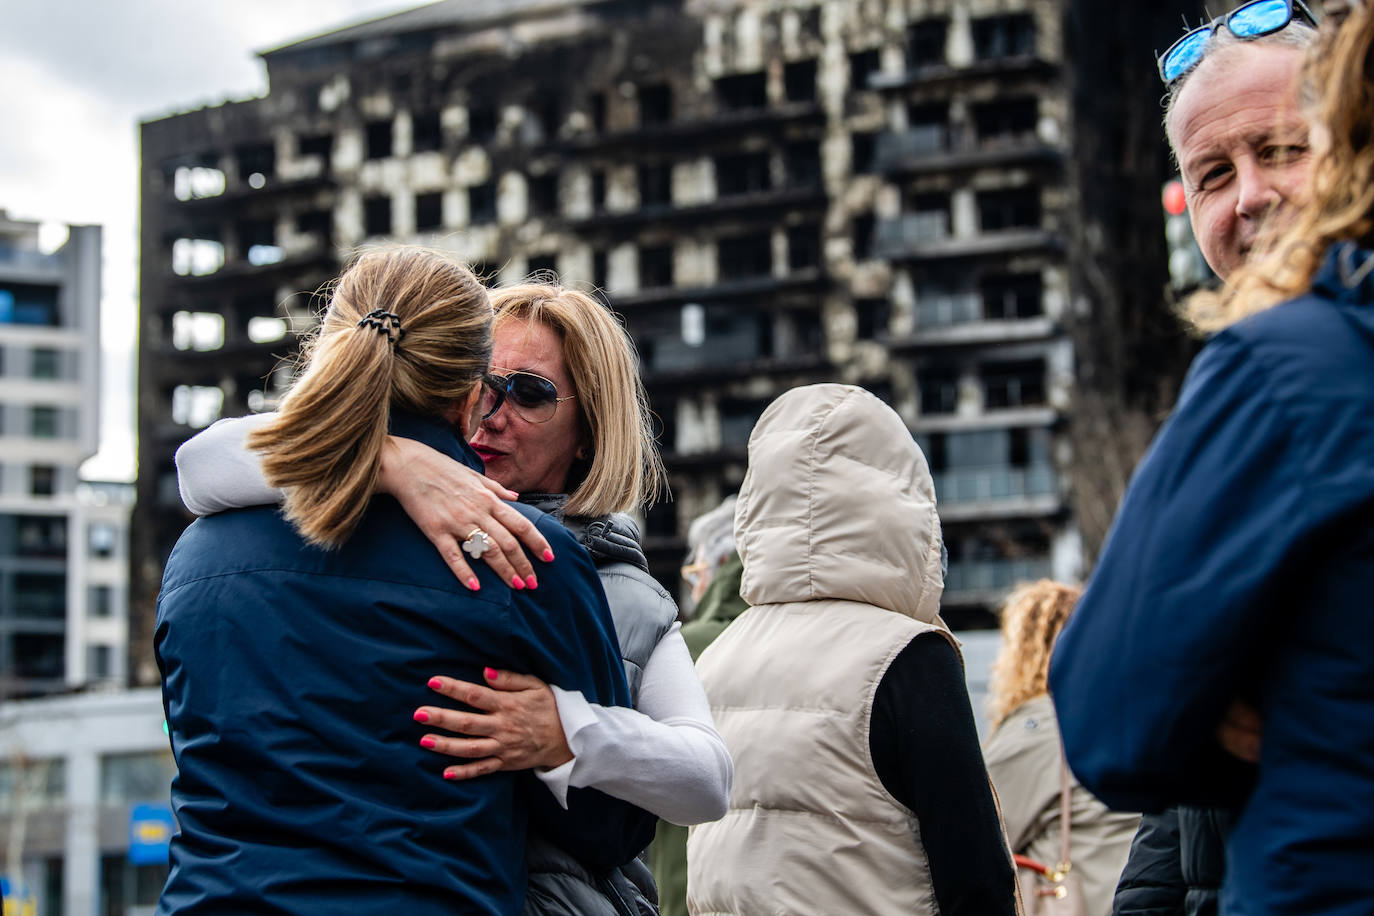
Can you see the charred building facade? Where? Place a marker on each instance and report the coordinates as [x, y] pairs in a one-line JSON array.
[[769, 192]]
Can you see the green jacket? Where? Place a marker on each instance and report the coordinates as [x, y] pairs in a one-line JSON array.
[[720, 604]]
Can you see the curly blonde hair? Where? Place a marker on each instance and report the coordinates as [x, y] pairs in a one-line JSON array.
[[1032, 617], [1339, 84]]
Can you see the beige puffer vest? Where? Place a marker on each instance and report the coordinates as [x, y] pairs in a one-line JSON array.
[[841, 545]]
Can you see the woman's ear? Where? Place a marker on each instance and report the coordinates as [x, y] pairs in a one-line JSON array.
[[463, 412]]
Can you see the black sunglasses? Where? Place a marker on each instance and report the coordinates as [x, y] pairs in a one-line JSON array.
[[1251, 20], [533, 397]]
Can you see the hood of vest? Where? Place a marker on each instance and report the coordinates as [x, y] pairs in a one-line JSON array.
[[838, 503]]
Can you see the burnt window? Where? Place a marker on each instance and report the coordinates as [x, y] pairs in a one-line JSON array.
[[596, 110], [254, 232], [378, 137], [549, 113], [804, 246], [655, 104], [429, 211], [862, 65], [426, 132], [939, 390], [377, 216], [482, 123], [745, 257], [862, 233], [863, 153], [599, 189], [742, 91], [1010, 296], [488, 273], [482, 203], [655, 185], [1019, 383], [655, 266], [925, 45], [543, 191], [660, 521], [1010, 209], [321, 145], [799, 81], [319, 223], [802, 161], [256, 159], [546, 266], [998, 37], [600, 268], [737, 419], [742, 173], [871, 318], [927, 128], [1006, 120]]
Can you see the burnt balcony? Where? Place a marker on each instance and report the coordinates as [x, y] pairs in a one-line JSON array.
[[931, 148], [719, 370], [319, 261], [810, 278], [936, 74], [926, 235], [273, 187], [692, 130], [997, 492], [751, 206], [985, 581]]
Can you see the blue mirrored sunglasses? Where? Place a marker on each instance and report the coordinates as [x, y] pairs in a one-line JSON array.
[[1260, 17]]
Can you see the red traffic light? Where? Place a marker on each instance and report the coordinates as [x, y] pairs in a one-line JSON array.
[[1175, 202]]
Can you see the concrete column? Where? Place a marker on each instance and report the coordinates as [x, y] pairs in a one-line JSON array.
[[81, 855]]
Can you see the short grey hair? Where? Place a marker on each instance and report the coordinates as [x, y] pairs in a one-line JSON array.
[[1297, 34]]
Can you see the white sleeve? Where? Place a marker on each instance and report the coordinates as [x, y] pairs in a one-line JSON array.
[[666, 756], [215, 470]]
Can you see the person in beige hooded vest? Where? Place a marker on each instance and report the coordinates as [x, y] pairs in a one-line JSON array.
[[859, 785]]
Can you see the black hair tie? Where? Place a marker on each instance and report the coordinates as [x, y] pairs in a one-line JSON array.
[[384, 322]]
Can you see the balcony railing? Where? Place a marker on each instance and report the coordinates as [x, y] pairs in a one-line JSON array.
[[910, 230], [991, 485], [23, 257], [933, 146], [994, 575], [946, 309]]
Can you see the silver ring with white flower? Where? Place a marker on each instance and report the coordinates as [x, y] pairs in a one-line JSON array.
[[478, 543]]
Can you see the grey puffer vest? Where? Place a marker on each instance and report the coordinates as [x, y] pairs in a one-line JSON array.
[[644, 612]]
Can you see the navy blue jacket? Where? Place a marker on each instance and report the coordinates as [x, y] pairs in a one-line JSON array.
[[289, 678], [1241, 564]]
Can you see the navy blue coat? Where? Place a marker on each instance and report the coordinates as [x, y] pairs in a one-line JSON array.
[[1241, 564], [289, 678]]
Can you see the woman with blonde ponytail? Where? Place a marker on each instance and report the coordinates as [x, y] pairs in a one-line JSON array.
[[295, 644], [1241, 562]]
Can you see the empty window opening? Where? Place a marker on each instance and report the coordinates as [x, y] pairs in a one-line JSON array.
[[429, 211], [377, 216]]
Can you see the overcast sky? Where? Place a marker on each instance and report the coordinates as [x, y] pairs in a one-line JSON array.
[[78, 77]]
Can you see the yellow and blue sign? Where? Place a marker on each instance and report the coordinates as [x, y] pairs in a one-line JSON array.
[[150, 833]]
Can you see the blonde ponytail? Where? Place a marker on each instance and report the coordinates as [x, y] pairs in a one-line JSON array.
[[406, 328]]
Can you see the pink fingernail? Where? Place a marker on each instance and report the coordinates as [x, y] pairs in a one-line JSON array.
[[517, 583], [448, 775], [435, 683], [421, 716], [490, 673], [474, 584], [548, 556], [531, 582], [427, 741]]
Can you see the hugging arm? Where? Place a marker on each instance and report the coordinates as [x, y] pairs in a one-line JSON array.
[[447, 500], [666, 756]]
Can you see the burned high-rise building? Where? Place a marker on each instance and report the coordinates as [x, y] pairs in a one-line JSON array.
[[953, 203]]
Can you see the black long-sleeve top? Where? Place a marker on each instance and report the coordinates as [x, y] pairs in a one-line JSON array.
[[925, 749]]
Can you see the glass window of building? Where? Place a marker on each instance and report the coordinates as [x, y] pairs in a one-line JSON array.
[[40, 595], [34, 536], [925, 45], [42, 480], [42, 784], [429, 211], [43, 422], [482, 203], [998, 37], [41, 656], [100, 601], [98, 661], [43, 363], [24, 303], [103, 539], [377, 215], [132, 778]]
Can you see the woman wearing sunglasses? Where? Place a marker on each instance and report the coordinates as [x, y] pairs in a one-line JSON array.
[[294, 644], [566, 425]]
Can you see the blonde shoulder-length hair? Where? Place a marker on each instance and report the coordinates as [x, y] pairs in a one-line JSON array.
[[620, 468], [405, 329], [1032, 617], [1339, 88]]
